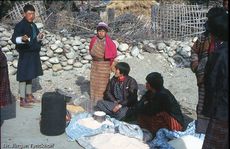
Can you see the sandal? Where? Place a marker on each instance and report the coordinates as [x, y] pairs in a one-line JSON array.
[[30, 99], [25, 104]]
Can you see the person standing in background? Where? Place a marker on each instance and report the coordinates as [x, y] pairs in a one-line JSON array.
[[103, 51], [5, 92], [27, 38], [225, 5], [216, 80], [201, 50], [7, 99]]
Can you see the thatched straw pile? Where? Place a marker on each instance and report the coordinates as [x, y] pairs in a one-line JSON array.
[[138, 7]]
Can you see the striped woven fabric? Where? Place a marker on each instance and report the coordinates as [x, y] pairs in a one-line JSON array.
[[217, 135], [5, 92], [160, 120], [199, 57], [201, 94], [100, 71], [202, 121]]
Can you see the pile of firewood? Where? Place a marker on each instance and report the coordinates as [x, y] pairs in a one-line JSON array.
[[130, 27]]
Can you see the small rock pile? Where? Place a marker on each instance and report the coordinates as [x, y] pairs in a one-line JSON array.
[[66, 53]]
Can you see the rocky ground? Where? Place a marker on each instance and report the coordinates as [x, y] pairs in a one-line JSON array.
[[24, 129], [180, 81]]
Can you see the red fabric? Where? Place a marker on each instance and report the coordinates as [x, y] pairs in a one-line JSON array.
[[160, 120], [121, 79], [212, 45], [110, 47]]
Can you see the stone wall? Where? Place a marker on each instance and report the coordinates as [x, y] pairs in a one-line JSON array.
[[66, 53]]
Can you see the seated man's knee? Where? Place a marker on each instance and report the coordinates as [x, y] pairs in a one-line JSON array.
[[99, 104]]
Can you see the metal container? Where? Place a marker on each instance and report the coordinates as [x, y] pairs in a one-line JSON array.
[[99, 116]]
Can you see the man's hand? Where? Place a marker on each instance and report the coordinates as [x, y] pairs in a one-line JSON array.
[[40, 36], [25, 38], [117, 108]]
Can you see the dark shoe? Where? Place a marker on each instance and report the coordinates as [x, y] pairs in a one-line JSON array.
[[24, 104], [30, 99]]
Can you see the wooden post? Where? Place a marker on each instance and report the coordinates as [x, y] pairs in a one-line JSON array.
[[89, 5], [111, 15], [154, 13]]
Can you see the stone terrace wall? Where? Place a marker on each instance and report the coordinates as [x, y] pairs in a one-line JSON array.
[[67, 53]]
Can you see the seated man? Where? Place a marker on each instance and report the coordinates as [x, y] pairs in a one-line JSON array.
[[120, 94], [158, 108]]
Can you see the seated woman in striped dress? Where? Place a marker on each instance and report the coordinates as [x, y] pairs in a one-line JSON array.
[[158, 108]]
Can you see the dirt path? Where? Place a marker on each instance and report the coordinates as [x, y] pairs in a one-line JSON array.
[[24, 129]]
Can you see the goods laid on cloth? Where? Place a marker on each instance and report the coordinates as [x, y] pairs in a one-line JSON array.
[[186, 142], [88, 132], [91, 123], [53, 114], [73, 109], [116, 141], [166, 139]]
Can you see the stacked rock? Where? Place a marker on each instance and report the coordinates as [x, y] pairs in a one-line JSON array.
[[60, 53]]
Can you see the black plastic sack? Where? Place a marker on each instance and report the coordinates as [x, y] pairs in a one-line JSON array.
[[53, 114]]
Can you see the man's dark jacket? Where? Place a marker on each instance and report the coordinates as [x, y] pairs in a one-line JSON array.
[[29, 63], [130, 88]]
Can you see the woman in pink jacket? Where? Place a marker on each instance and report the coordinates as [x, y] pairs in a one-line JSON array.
[[103, 51]]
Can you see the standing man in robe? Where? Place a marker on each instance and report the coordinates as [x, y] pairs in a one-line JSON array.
[[27, 38]]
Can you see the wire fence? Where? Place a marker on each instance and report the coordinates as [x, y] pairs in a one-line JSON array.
[[177, 21], [167, 21], [16, 13]]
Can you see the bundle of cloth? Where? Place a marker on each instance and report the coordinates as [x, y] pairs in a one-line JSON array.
[[91, 134]]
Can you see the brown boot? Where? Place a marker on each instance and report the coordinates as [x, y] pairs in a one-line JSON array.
[[24, 104], [30, 99]]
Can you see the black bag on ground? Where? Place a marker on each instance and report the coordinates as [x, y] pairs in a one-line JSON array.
[[53, 114]]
